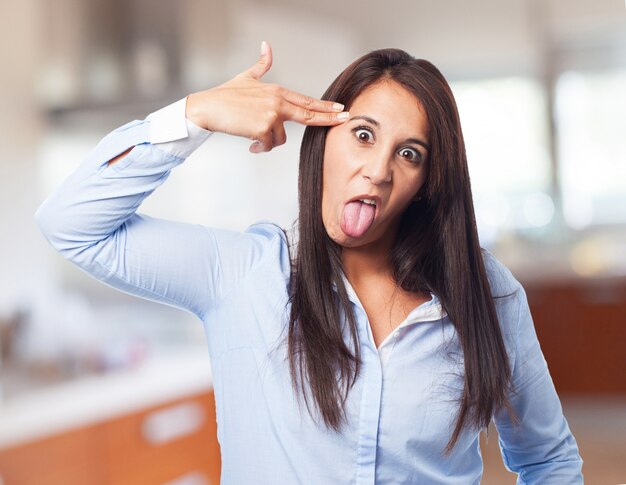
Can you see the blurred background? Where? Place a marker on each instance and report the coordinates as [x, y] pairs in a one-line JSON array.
[[99, 387]]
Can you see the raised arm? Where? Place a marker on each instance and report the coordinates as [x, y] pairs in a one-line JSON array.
[[91, 218]]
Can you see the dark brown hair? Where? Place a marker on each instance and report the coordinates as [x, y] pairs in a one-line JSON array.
[[436, 249]]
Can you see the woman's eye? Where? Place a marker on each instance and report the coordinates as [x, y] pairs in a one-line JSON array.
[[363, 134], [410, 154]]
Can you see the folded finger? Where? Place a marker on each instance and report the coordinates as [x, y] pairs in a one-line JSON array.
[[264, 144], [279, 137]]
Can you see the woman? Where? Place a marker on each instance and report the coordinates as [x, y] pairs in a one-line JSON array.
[[375, 349]]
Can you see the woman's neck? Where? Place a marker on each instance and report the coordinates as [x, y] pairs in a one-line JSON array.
[[365, 263]]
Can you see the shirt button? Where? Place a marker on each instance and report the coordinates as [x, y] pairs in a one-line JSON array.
[[396, 335]]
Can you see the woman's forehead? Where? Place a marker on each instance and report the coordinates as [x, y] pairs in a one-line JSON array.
[[389, 105]]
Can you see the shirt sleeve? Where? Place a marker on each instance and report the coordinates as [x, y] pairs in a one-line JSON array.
[[91, 220], [173, 132], [540, 448]]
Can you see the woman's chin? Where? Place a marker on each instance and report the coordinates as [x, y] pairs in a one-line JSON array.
[[345, 240]]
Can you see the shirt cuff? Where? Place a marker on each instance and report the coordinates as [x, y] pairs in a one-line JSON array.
[[173, 132]]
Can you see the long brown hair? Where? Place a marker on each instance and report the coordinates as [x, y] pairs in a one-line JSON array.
[[436, 249]]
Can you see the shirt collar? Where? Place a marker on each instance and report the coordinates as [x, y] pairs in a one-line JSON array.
[[427, 311]]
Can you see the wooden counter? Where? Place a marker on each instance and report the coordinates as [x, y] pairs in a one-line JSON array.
[[154, 424]]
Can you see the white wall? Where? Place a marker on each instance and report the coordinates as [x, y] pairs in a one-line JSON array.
[[24, 264]]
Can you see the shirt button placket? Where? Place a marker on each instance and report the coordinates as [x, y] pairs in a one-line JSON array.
[[369, 416]]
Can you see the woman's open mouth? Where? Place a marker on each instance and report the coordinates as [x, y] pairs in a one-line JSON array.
[[359, 214]]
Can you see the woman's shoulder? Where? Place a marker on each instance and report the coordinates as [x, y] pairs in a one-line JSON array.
[[266, 229], [274, 242], [501, 280], [508, 294]]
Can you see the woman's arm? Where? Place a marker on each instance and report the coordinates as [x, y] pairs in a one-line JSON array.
[[91, 218], [541, 449]]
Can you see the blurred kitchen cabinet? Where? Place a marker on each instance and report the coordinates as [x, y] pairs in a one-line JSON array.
[[153, 446], [581, 326], [72, 458]]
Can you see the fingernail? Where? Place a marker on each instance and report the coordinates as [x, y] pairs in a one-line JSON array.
[[263, 48], [343, 116], [338, 106]]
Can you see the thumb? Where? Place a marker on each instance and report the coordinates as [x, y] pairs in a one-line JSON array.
[[263, 64]]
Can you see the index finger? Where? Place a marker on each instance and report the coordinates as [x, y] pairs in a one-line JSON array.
[[313, 104], [306, 116]]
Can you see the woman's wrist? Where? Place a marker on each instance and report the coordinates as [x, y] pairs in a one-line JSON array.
[[194, 113]]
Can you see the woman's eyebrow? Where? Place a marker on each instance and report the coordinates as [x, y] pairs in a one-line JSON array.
[[377, 125]]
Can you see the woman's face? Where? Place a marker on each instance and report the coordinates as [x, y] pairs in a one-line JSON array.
[[379, 154]]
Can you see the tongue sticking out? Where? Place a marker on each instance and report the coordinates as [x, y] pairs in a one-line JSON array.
[[357, 218]]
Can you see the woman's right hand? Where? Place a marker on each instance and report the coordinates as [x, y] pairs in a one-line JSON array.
[[245, 106]]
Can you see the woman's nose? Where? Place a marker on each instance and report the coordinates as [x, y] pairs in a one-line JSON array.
[[377, 168]]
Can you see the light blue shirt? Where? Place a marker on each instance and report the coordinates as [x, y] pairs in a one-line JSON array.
[[402, 407]]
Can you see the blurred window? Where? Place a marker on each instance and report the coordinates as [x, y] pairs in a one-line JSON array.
[[591, 119], [506, 136]]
